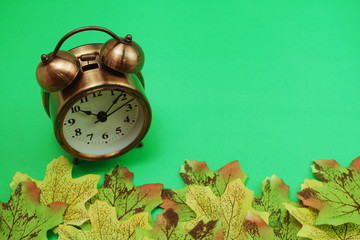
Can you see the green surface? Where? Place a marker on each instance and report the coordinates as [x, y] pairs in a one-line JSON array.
[[273, 84]]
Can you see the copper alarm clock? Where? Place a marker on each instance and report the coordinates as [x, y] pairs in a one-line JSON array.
[[95, 96]]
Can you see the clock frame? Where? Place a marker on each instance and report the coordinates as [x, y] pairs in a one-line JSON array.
[[94, 76]]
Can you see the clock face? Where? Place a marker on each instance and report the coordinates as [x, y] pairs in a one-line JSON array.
[[103, 122]]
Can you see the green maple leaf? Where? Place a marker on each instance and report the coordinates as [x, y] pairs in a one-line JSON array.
[[338, 197], [307, 217], [119, 191], [58, 185], [168, 227], [197, 173], [23, 217], [105, 226], [274, 193], [176, 200]]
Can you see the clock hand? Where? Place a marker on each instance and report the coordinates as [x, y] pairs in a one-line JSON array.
[[120, 107], [87, 112], [114, 102], [107, 115]]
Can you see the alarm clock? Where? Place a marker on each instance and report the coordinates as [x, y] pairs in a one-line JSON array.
[[94, 95]]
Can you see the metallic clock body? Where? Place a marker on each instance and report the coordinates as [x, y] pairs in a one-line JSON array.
[[92, 75]]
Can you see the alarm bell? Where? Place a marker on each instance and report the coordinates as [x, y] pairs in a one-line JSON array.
[[58, 69], [124, 56], [55, 75]]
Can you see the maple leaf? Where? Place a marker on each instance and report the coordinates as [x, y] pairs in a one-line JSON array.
[[119, 191], [274, 193], [105, 225], [198, 173], [176, 200], [307, 217], [231, 208], [306, 191], [23, 217], [58, 185], [338, 198], [256, 228], [168, 227]]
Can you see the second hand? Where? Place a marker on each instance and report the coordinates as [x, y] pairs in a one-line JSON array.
[[117, 109]]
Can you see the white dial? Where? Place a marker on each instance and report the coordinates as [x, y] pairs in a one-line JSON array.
[[102, 122]]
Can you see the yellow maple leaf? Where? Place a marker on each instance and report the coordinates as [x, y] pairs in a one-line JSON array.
[[307, 217], [105, 225], [231, 208], [59, 186]]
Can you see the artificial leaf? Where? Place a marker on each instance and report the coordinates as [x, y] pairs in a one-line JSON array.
[[198, 173], [58, 185], [338, 198], [274, 193], [176, 200], [231, 208], [168, 227], [256, 228], [307, 217], [307, 189], [105, 225], [24, 218], [119, 191]]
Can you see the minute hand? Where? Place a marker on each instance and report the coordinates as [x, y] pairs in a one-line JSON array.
[[120, 107], [114, 102]]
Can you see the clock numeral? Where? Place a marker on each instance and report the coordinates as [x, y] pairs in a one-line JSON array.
[[84, 99], [71, 121], [118, 130], [105, 136], [90, 135], [97, 94], [78, 132], [75, 109], [123, 96], [129, 107], [127, 119]]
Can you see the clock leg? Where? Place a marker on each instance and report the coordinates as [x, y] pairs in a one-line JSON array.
[[140, 145], [76, 161]]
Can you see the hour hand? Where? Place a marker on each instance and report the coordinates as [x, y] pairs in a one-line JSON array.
[[87, 112]]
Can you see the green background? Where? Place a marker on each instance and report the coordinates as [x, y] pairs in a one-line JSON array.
[[273, 84]]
